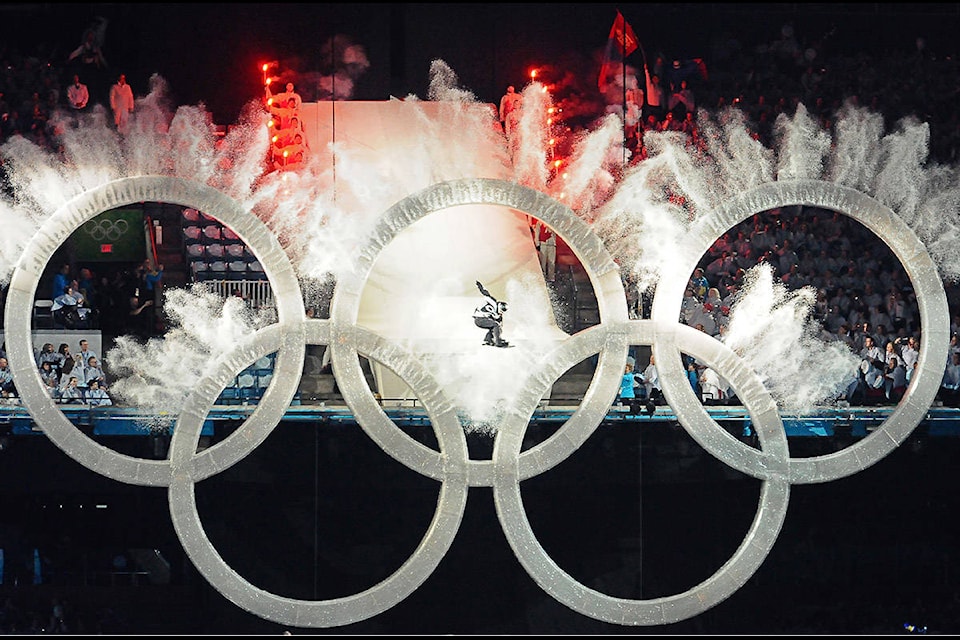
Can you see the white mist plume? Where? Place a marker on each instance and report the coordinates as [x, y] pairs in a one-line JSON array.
[[322, 216], [588, 178], [159, 374], [802, 146], [772, 330], [531, 137], [857, 151], [639, 228]]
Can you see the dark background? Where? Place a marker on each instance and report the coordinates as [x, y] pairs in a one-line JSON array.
[[639, 511], [211, 52]]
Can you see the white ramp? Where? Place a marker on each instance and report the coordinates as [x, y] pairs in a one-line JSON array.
[[422, 290]]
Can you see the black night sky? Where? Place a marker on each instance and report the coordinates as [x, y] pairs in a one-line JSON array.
[[210, 52]]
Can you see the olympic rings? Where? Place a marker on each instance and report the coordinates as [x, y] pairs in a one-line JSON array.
[[451, 465], [290, 310], [111, 230]]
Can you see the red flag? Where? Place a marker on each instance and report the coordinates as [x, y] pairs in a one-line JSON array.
[[623, 37], [621, 42]]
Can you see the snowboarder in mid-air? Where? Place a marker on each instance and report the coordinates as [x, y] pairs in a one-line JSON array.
[[489, 315]]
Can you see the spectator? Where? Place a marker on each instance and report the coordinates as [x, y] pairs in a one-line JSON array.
[[85, 352], [92, 371], [71, 393], [68, 369], [139, 320], [909, 352], [950, 386], [50, 379], [87, 287], [90, 51], [60, 281], [96, 395], [7, 387], [872, 353], [712, 387], [66, 309], [47, 354], [682, 102], [895, 380]]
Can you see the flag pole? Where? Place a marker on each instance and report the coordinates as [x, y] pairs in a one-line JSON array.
[[623, 82]]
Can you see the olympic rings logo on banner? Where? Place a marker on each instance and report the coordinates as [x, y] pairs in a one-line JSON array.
[[111, 230], [510, 465]]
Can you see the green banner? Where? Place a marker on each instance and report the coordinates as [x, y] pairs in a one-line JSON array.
[[113, 236]]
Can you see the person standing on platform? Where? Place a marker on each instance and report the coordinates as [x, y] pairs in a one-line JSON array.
[[60, 281], [153, 290], [655, 95], [284, 98], [509, 110], [78, 94], [628, 388], [652, 382], [546, 242], [121, 102]]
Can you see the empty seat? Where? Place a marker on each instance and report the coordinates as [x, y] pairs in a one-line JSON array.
[[214, 251], [43, 314]]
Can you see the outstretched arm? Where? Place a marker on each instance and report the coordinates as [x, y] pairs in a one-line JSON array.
[[483, 290]]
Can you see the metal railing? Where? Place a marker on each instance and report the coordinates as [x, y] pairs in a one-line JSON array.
[[256, 292]]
